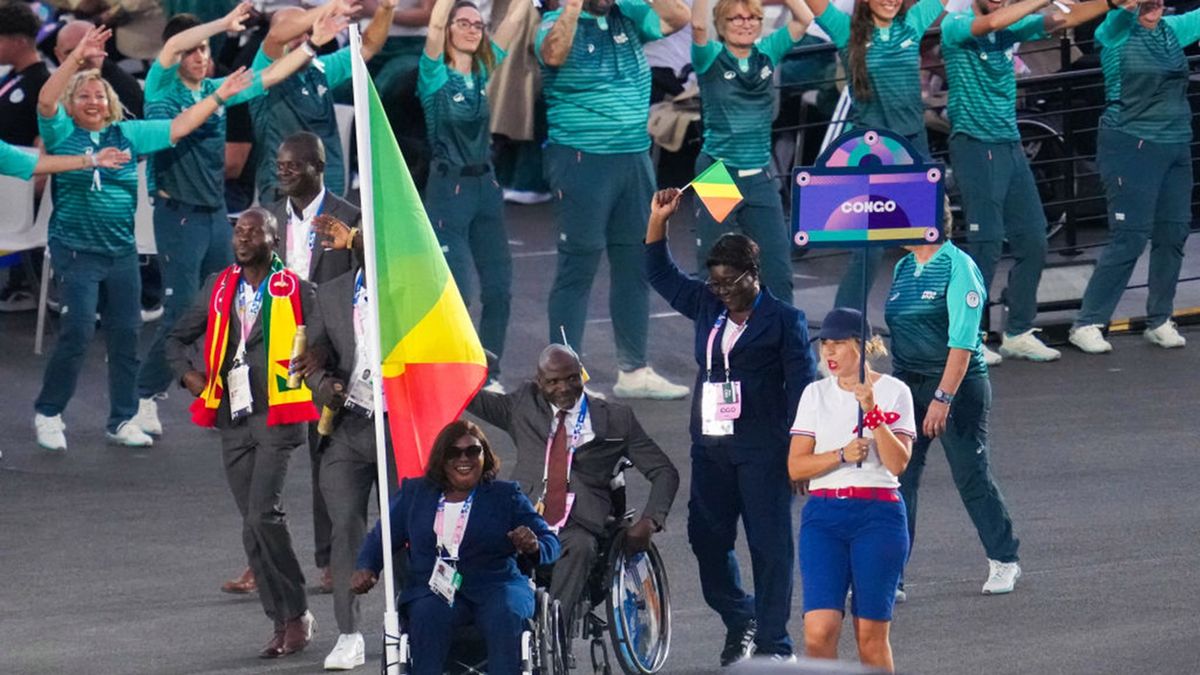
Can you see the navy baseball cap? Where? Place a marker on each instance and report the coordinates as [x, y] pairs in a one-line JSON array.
[[842, 323]]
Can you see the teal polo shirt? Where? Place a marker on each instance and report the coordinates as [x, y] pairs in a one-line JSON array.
[[302, 102], [598, 100], [979, 72], [933, 308], [893, 67], [192, 172], [87, 217], [16, 162], [456, 110], [737, 97], [1146, 75]]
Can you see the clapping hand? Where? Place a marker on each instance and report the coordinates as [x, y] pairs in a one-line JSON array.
[[333, 233], [524, 540]]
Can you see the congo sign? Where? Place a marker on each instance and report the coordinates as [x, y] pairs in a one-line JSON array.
[[869, 188]]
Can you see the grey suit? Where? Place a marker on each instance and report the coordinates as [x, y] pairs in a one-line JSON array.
[[324, 266], [255, 456], [526, 416], [348, 466]]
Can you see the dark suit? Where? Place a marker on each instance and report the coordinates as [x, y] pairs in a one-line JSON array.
[[255, 455], [744, 474], [494, 593], [324, 266], [527, 417]]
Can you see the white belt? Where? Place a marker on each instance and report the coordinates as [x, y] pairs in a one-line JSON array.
[[743, 173]]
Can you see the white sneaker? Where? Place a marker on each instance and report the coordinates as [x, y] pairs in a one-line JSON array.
[[131, 436], [147, 417], [527, 197], [149, 315], [1089, 339], [1166, 336], [348, 653], [50, 434], [645, 383], [1027, 346], [495, 387], [990, 357], [1002, 577], [18, 300]]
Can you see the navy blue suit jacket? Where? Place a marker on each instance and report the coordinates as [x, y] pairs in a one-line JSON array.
[[487, 559], [773, 360]]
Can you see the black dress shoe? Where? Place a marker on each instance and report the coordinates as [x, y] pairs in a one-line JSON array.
[[739, 644]]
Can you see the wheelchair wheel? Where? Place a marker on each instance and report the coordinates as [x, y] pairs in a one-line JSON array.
[[638, 609], [551, 638]]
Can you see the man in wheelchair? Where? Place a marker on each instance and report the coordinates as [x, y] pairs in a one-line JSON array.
[[568, 444]]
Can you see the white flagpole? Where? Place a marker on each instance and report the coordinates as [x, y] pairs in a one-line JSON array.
[[362, 120]]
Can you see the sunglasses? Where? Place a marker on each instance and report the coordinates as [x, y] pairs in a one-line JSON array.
[[453, 453]]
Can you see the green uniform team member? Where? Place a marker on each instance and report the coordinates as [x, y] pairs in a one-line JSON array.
[[596, 83], [880, 46], [304, 101], [191, 231], [738, 95], [999, 195], [462, 198], [1146, 162], [91, 237], [933, 312]]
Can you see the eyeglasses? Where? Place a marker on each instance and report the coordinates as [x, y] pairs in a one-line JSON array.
[[722, 287], [290, 167], [453, 453], [743, 20], [467, 24]]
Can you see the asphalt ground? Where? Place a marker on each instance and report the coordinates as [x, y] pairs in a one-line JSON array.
[[111, 558]]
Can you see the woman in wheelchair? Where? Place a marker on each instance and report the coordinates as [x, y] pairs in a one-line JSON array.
[[464, 531]]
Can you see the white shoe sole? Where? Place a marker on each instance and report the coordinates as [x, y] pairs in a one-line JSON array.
[[1104, 349], [1004, 591], [1009, 354]]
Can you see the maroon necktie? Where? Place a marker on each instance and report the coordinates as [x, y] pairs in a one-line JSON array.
[[555, 501]]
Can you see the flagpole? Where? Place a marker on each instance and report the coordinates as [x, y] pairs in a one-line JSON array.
[[362, 122]]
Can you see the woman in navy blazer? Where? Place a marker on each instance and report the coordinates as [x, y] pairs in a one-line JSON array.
[[500, 526], [741, 470]]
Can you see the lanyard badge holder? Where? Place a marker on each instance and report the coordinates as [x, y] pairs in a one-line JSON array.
[[361, 399], [576, 434], [445, 580], [241, 401], [721, 402]]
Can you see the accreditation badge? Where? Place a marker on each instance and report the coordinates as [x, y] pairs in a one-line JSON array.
[[241, 401], [720, 405], [361, 400], [445, 581]]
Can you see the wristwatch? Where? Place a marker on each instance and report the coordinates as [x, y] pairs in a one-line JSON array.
[[942, 396]]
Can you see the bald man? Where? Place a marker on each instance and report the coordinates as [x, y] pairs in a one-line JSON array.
[[127, 88]]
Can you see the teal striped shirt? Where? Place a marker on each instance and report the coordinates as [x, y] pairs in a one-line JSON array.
[[979, 71], [893, 67], [16, 162], [598, 100], [1146, 75], [738, 99], [87, 218], [457, 117], [933, 308]]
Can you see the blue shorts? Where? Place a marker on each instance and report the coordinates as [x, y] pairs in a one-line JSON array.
[[852, 541]]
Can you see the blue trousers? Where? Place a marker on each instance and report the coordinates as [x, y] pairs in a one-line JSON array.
[[760, 217], [601, 205], [467, 213], [759, 493], [1149, 191], [81, 275], [500, 616], [192, 244]]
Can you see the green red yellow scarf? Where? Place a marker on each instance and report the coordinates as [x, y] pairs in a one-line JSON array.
[[285, 405]]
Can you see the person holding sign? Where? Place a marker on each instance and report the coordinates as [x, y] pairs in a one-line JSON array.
[[853, 531], [1145, 159], [999, 194], [933, 312], [464, 531], [738, 95], [755, 360]]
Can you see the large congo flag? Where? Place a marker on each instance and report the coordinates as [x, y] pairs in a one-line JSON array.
[[433, 364]]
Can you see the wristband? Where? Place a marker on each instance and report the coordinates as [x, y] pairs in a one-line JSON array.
[[309, 48], [841, 455], [92, 156], [942, 396], [353, 234], [217, 97]]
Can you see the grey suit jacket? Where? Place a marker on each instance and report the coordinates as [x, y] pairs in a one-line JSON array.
[[527, 416], [190, 328], [325, 264]]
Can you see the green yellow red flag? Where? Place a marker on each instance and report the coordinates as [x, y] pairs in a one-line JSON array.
[[715, 187]]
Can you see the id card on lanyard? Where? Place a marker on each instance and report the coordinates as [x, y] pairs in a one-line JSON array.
[[241, 401], [721, 402], [445, 580], [576, 434], [361, 399]]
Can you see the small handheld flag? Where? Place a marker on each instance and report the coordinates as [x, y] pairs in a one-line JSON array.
[[715, 187]]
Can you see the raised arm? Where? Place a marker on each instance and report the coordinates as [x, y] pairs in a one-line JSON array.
[[91, 46], [291, 24], [324, 31], [439, 20], [191, 118], [514, 22], [802, 18], [181, 43], [673, 15], [377, 31], [1006, 16], [413, 17], [556, 46], [107, 158], [700, 16], [1080, 14], [817, 7]]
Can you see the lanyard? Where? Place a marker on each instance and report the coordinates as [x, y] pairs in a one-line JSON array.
[[452, 545], [312, 234], [361, 300], [10, 84], [248, 315], [712, 337], [575, 435]]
